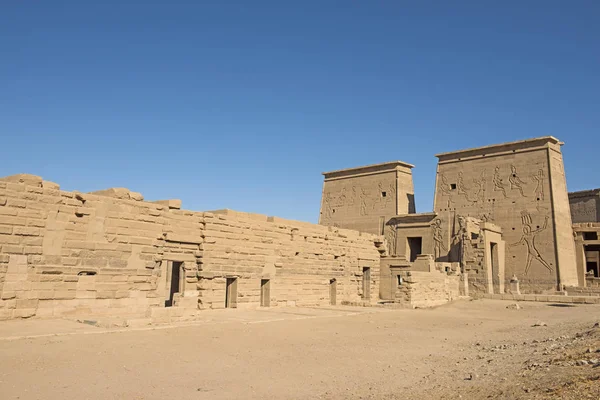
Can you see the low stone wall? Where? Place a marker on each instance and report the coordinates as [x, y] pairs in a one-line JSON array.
[[542, 298], [427, 289], [108, 253]]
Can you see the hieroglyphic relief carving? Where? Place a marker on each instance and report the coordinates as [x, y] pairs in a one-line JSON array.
[[528, 238], [479, 196], [328, 209], [391, 235], [460, 185], [445, 189], [515, 181], [498, 183], [539, 186], [363, 202], [438, 239]]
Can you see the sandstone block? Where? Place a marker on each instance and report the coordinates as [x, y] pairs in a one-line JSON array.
[[32, 250], [12, 249], [50, 185], [174, 204], [26, 231], [12, 220], [25, 179], [24, 313], [33, 303]]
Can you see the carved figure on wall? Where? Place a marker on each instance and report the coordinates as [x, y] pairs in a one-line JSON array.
[[480, 194], [390, 236], [460, 185], [539, 186], [353, 197], [363, 202], [328, 209], [486, 217], [342, 199], [392, 196], [457, 243], [444, 185], [438, 239], [528, 238], [498, 183], [515, 181]]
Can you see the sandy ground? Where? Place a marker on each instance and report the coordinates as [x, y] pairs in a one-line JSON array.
[[469, 349]]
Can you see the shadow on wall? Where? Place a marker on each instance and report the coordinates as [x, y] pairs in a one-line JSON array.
[[411, 203]]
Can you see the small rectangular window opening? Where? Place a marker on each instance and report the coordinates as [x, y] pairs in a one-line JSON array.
[[453, 186], [590, 235]]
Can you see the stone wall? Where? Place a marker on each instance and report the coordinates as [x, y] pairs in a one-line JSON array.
[[68, 253], [427, 289], [299, 259], [585, 206]]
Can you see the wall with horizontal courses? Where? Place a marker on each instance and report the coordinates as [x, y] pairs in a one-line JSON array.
[[68, 253], [299, 259]]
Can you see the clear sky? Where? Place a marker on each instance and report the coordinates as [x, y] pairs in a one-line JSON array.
[[242, 104]]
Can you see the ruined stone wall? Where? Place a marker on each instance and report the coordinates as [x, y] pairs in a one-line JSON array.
[[299, 259], [65, 253], [521, 188], [68, 253], [427, 289]]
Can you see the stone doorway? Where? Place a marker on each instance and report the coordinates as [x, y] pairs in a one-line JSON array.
[[231, 293], [366, 283], [265, 292], [494, 268], [174, 282], [333, 292]]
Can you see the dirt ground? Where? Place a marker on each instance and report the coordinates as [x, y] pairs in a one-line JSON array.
[[469, 349]]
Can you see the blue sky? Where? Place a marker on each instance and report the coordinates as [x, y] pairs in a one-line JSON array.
[[242, 104]]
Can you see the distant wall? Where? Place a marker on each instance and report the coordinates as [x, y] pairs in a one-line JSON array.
[[365, 198], [585, 206]]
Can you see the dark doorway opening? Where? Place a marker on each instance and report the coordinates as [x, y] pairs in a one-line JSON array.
[[174, 279], [415, 247], [494, 269], [592, 266], [231, 293], [265, 292], [366, 283], [590, 235], [333, 292]]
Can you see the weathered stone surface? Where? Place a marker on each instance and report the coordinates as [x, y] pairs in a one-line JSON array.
[[173, 204]]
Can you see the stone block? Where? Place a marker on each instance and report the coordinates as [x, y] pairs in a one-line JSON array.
[[173, 204], [24, 312], [12, 220], [32, 303]]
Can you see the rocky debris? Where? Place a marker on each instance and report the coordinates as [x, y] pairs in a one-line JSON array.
[[514, 306], [120, 193], [539, 323]]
